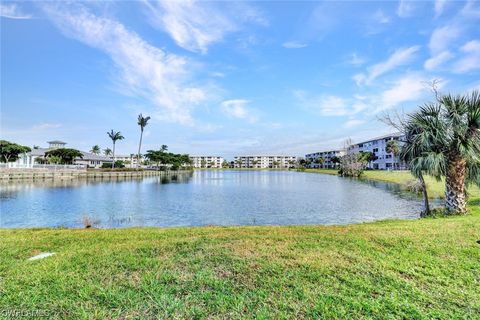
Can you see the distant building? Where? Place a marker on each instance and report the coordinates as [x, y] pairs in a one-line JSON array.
[[327, 158], [38, 154], [130, 161], [262, 162], [206, 161], [377, 146]]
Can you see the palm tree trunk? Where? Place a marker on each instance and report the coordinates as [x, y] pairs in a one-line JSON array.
[[455, 185], [113, 156], [139, 148], [426, 204]]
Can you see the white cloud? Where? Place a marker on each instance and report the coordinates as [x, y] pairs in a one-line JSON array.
[[435, 61], [195, 25], [381, 17], [12, 11], [294, 45], [439, 6], [400, 57], [353, 123], [407, 88], [328, 105], [237, 108], [471, 59], [46, 126], [405, 8], [144, 70], [442, 37], [355, 60]]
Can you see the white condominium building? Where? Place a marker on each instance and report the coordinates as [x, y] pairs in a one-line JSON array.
[[384, 160], [260, 162], [327, 158], [206, 161], [130, 160]]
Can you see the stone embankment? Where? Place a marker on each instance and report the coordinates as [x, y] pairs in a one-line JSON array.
[[34, 174]]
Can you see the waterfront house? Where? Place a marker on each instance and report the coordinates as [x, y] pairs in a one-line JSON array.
[[37, 155]]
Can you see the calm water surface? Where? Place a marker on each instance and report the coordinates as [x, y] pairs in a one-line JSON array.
[[204, 198]]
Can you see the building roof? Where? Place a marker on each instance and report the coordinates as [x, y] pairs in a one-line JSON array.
[[94, 157], [56, 142], [268, 156], [391, 135], [328, 151]]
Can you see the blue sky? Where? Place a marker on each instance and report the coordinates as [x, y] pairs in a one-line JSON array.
[[227, 78]]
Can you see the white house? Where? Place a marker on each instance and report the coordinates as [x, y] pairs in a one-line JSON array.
[[262, 162], [206, 161], [89, 159]]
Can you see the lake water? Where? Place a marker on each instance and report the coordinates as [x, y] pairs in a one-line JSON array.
[[207, 197]]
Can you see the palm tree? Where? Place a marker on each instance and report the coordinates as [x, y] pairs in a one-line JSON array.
[[107, 152], [446, 138], [320, 161], [393, 148], [114, 136], [142, 122], [95, 149], [239, 163]]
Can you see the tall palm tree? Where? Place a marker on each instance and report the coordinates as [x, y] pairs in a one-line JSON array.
[[393, 148], [446, 135], [114, 135], [95, 149], [142, 122], [107, 152]]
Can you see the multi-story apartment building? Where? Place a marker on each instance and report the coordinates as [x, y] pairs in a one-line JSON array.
[[261, 162], [384, 160], [327, 158], [207, 161]]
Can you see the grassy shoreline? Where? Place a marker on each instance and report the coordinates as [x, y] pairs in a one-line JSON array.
[[427, 268]]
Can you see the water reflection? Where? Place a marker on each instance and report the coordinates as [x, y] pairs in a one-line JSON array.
[[207, 197]]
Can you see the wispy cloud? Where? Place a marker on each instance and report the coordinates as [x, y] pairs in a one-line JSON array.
[[46, 126], [437, 60], [405, 8], [353, 123], [294, 45], [381, 17], [355, 60], [145, 71], [442, 37], [195, 25], [12, 11], [407, 88], [328, 105], [471, 59], [400, 57], [237, 108], [439, 6]]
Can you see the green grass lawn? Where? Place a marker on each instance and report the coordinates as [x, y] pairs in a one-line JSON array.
[[420, 269], [436, 189]]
